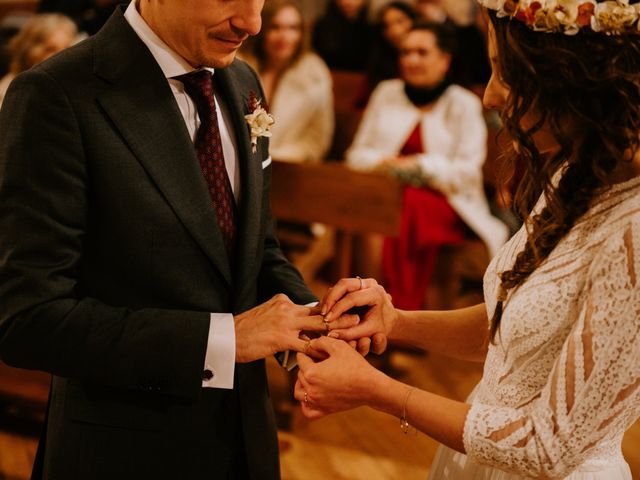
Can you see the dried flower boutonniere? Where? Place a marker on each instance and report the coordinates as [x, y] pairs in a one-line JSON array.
[[259, 120]]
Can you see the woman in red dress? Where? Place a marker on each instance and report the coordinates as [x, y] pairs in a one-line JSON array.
[[433, 134]]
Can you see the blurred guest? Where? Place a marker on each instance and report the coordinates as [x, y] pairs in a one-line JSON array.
[[9, 28], [432, 134], [470, 67], [431, 10], [297, 84], [89, 15], [342, 37], [40, 37], [461, 12], [395, 19]]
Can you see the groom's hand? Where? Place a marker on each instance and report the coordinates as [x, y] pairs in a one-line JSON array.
[[273, 327]]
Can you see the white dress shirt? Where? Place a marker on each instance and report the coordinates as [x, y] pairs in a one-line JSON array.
[[221, 347]]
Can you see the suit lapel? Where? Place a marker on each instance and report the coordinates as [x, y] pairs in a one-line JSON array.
[[250, 208], [142, 107]]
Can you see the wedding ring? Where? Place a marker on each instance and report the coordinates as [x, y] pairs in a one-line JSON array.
[[361, 282], [306, 346], [306, 397]]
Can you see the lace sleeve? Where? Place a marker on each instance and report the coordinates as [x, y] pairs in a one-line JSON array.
[[593, 392]]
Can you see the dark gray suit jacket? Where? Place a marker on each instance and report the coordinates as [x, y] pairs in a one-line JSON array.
[[111, 261]]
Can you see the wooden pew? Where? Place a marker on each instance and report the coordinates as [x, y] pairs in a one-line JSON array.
[[351, 201], [347, 87]]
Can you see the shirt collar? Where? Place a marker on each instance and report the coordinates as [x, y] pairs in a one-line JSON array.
[[171, 63]]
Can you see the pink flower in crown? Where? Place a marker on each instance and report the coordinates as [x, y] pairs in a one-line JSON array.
[[528, 15], [258, 119], [585, 13]]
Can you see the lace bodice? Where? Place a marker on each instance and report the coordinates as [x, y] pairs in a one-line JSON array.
[[562, 382]]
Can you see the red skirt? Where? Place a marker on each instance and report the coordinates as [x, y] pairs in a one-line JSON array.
[[428, 221]]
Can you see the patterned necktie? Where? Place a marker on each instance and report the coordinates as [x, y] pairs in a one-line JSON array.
[[199, 86]]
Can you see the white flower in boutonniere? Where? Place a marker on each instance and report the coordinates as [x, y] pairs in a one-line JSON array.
[[259, 120]]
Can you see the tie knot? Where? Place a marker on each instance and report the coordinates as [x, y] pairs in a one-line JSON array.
[[199, 86]]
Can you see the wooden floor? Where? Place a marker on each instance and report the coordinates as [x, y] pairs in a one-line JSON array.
[[357, 445]]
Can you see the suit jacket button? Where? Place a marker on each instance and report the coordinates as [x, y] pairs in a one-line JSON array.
[[207, 375]]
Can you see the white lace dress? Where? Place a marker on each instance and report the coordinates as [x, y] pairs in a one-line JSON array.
[[562, 383]]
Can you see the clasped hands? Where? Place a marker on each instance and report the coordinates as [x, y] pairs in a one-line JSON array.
[[279, 325], [333, 377], [355, 316]]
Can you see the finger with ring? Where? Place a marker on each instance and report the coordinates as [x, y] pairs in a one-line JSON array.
[[361, 282], [306, 397]]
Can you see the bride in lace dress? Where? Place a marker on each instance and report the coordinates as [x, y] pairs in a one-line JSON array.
[[559, 332]]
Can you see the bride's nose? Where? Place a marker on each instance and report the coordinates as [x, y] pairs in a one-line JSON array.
[[495, 95]]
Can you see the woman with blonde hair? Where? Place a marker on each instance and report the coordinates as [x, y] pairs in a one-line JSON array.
[[40, 37], [559, 332]]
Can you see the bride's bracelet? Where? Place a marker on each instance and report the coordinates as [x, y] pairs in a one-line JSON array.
[[404, 423]]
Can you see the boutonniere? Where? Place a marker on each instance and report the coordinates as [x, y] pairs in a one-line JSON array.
[[259, 119]]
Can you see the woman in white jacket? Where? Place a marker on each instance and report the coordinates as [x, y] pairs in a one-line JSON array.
[[432, 132], [297, 85]]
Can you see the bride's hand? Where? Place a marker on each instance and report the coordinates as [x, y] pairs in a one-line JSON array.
[[341, 381], [377, 313]]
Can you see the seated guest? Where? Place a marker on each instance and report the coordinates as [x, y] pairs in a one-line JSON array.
[[297, 84], [432, 133], [342, 37], [395, 19], [470, 67], [39, 38], [89, 15]]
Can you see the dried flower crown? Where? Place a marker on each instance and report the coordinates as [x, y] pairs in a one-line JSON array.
[[612, 17]]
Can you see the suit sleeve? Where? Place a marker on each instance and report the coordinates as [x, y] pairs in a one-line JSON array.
[[45, 324]]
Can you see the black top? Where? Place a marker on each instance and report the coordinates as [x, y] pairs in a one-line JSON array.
[[344, 44]]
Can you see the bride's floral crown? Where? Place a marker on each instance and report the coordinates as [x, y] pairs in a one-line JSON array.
[[613, 17]]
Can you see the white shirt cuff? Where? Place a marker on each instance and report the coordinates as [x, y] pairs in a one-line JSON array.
[[220, 360]]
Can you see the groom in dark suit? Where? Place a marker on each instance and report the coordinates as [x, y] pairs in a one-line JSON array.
[[136, 245]]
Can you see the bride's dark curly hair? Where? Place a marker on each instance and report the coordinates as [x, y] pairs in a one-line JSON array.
[[584, 89]]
